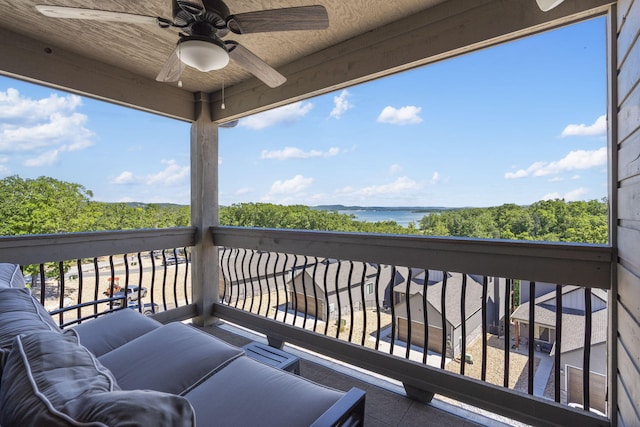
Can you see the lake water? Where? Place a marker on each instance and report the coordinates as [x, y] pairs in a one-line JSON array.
[[402, 217]]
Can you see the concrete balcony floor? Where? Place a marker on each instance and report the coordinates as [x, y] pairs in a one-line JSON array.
[[386, 404]]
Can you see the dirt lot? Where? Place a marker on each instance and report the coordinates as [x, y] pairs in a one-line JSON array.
[[518, 364]]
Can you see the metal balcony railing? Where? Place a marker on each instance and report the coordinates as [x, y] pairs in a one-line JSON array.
[[433, 313], [81, 276]]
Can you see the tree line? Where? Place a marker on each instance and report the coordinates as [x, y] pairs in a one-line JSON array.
[[45, 205]]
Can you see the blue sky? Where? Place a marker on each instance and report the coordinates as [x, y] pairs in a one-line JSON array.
[[516, 123]]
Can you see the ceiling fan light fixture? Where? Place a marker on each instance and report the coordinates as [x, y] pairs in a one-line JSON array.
[[546, 5], [202, 53]]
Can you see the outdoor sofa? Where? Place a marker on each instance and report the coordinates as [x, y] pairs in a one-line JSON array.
[[127, 369]]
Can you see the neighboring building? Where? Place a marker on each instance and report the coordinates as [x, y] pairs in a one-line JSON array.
[[452, 309], [331, 288], [572, 338]]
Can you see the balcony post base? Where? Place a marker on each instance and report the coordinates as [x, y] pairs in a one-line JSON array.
[[420, 395]]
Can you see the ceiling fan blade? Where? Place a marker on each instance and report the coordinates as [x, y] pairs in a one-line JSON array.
[[286, 19], [93, 14], [253, 64], [172, 68], [228, 125]]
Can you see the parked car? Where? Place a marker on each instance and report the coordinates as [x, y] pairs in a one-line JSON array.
[[132, 293], [171, 260], [147, 309]]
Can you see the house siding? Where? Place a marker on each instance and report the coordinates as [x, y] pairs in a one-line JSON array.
[[628, 211]]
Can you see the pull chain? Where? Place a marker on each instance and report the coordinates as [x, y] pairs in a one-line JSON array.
[[222, 104]]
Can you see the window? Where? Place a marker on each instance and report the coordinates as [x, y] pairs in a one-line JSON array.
[[369, 288]]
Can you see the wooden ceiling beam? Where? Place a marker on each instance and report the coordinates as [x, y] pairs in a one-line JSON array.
[[28, 59], [449, 29]]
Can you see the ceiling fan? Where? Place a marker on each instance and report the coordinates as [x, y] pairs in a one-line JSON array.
[[202, 25]]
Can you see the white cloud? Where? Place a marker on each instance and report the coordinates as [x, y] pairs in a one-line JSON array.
[[435, 178], [296, 153], [42, 128], [570, 196], [599, 127], [172, 175], [15, 106], [125, 178], [341, 104], [408, 115], [401, 184], [294, 185], [47, 158], [287, 114], [242, 191], [575, 160], [395, 169]]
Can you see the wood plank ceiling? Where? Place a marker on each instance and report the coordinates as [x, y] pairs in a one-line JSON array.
[[365, 39]]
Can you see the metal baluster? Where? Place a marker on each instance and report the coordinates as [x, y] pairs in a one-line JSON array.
[[253, 292], [61, 288], [443, 318], [425, 348], [153, 278], [164, 280], [337, 285], [175, 277], [140, 282], [244, 279], [364, 306], [378, 322], [304, 291], [351, 316], [80, 283], [96, 272], [294, 292], [315, 293], [532, 322], [586, 355], [507, 335], [275, 280], [43, 284], [326, 302], [485, 285], [112, 270], [186, 275], [408, 305], [286, 293], [463, 312], [266, 278], [393, 311], [558, 344], [125, 302]]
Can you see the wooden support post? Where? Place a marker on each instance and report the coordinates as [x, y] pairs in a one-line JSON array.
[[204, 210]]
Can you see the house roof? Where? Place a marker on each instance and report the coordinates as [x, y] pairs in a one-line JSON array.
[[573, 321], [366, 39], [453, 293]]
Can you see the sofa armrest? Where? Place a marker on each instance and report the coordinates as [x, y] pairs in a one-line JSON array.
[[346, 412]]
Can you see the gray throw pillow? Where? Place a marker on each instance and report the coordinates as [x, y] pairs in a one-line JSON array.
[[11, 276], [21, 313], [49, 379]]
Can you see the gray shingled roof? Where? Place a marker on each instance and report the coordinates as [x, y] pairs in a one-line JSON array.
[[453, 294], [573, 321]]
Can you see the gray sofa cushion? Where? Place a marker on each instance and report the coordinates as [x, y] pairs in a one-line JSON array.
[[11, 276], [51, 380], [112, 330], [43, 373], [277, 398], [21, 313], [171, 359], [131, 408]]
